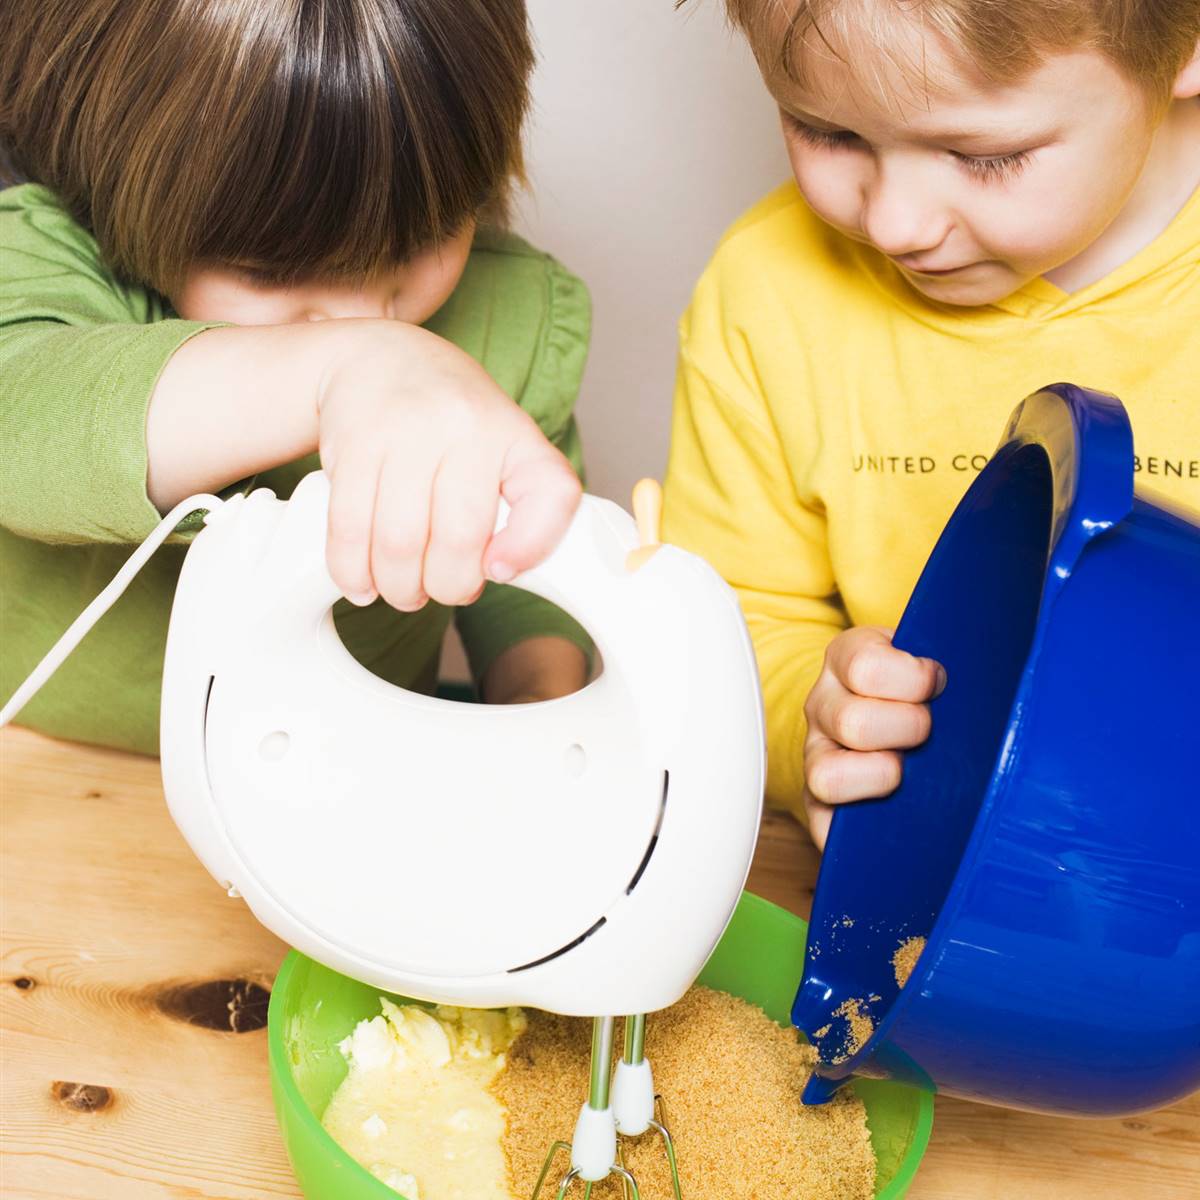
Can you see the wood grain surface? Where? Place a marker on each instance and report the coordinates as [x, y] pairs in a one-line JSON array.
[[133, 996]]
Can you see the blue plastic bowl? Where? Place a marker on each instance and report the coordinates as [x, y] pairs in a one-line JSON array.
[[1046, 839]]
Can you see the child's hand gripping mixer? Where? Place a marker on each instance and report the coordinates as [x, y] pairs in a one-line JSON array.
[[582, 855]]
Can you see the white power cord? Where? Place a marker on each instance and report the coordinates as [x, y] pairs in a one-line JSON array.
[[83, 623]]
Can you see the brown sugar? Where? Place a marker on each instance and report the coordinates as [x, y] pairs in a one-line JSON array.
[[905, 959], [731, 1079], [859, 1027]]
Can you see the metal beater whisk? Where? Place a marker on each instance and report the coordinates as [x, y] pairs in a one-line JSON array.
[[627, 1109]]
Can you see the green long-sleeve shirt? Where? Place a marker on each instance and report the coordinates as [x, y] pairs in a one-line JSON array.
[[80, 353]]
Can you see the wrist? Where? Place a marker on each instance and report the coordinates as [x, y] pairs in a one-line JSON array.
[[361, 345], [335, 346]]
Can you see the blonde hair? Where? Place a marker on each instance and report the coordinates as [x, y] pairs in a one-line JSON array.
[[1151, 40], [290, 137]]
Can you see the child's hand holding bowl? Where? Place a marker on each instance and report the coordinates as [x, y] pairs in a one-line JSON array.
[[869, 702]]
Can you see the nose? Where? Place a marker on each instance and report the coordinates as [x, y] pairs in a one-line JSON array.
[[901, 210]]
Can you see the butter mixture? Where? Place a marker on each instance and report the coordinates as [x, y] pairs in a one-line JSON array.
[[415, 1108], [425, 1106]]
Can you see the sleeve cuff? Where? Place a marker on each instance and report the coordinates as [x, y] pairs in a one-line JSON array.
[[121, 509]]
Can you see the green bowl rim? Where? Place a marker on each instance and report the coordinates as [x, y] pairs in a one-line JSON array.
[[284, 1081]]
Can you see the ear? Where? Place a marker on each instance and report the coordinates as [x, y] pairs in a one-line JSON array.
[[1187, 82]]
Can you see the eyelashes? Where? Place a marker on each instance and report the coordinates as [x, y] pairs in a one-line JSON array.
[[998, 168], [825, 139], [995, 168]]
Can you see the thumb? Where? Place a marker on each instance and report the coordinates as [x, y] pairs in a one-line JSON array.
[[543, 494]]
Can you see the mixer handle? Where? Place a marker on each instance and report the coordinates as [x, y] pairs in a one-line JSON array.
[[583, 575]]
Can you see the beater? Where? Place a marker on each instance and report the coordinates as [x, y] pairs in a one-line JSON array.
[[634, 1108], [454, 829]]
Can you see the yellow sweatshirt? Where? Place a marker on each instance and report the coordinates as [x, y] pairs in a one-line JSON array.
[[828, 418]]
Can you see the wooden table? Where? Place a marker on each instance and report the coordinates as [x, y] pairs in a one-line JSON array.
[[134, 998]]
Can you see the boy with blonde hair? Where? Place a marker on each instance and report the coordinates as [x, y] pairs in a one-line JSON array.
[[987, 198]]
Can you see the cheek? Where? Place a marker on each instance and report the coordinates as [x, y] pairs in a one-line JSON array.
[[442, 280], [831, 182], [1045, 218], [192, 301], [1016, 224], [429, 282], [205, 298]]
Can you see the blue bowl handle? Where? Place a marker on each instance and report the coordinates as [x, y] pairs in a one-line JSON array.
[[1089, 442]]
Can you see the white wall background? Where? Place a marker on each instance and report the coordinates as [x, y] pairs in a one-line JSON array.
[[651, 132]]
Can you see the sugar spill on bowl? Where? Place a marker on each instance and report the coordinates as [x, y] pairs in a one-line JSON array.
[[731, 1080], [904, 960], [860, 1025]]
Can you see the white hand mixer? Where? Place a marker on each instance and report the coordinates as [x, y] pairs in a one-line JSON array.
[[582, 855]]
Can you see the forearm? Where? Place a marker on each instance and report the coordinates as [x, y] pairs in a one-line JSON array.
[[234, 401], [241, 399]]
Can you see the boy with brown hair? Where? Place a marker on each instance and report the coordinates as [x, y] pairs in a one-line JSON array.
[[253, 241], [987, 198]]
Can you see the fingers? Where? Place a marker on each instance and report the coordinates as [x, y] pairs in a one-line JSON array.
[[869, 704], [401, 534], [865, 662], [838, 776], [464, 515], [863, 723], [820, 817], [415, 485], [819, 814], [348, 534], [398, 533], [543, 493]]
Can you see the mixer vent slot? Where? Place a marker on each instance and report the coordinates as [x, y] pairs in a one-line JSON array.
[[537, 962], [204, 732], [662, 809]]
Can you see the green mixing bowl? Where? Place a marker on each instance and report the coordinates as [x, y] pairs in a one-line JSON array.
[[313, 1008]]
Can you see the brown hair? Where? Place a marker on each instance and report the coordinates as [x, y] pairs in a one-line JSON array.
[[292, 137], [1151, 40]]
